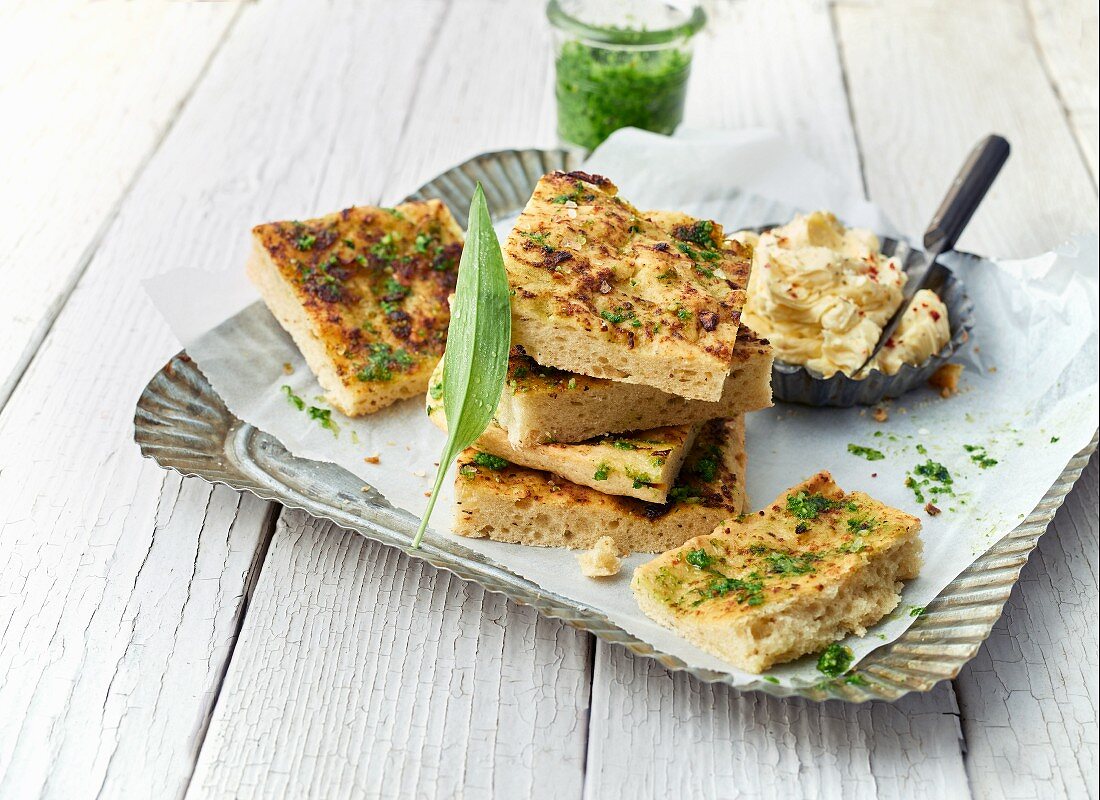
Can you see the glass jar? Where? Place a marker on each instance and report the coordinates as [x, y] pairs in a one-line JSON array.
[[620, 63]]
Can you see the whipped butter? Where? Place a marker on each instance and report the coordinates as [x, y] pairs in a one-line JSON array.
[[821, 293]]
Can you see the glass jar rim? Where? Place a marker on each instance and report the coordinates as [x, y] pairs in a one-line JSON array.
[[625, 36]]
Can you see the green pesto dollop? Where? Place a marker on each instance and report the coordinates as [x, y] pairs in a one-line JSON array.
[[869, 453], [835, 660], [600, 90], [490, 461]]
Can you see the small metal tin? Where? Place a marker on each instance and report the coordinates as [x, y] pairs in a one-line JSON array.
[[793, 383]]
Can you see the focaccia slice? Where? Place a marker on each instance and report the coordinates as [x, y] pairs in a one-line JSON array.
[[527, 506], [642, 464], [543, 404], [363, 293], [600, 288], [814, 566]]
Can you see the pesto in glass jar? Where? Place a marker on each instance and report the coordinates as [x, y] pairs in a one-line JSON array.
[[611, 76]]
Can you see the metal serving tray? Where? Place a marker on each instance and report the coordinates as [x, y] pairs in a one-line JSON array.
[[182, 424]]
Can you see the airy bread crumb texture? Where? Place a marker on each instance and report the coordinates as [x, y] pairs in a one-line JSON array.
[[363, 293], [816, 565], [543, 404], [606, 290], [641, 464], [602, 561], [526, 506]]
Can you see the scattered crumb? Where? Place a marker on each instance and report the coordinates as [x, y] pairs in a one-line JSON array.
[[880, 414], [288, 368], [874, 474], [931, 510], [992, 369], [946, 379], [365, 489], [602, 560], [391, 444], [428, 493], [419, 473], [372, 459]]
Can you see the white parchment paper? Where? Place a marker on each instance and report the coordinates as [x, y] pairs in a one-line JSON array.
[[1030, 386]]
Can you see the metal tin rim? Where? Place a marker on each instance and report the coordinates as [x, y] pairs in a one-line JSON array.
[[182, 424]]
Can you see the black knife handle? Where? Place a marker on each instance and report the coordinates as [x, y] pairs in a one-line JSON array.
[[966, 192]]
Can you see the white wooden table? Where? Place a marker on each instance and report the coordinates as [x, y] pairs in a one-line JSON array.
[[161, 637]]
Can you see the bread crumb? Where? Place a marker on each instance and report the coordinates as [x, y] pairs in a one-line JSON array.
[[602, 560], [372, 459], [880, 414], [288, 368], [946, 379], [931, 510], [419, 473]]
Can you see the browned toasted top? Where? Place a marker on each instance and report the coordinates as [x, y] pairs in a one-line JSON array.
[[812, 536], [374, 280], [582, 256]]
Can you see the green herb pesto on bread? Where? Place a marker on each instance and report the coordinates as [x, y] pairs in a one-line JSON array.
[[816, 565]]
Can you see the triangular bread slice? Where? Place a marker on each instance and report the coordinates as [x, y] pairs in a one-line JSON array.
[[541, 404], [814, 566], [363, 293], [641, 464], [527, 506], [603, 289]]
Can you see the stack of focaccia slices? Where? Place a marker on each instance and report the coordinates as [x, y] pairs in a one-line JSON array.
[[628, 380]]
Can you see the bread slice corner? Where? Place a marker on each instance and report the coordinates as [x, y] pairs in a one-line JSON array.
[[814, 566]]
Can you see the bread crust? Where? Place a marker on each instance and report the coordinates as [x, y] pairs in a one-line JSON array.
[[543, 404], [526, 506], [779, 584], [641, 464], [363, 293], [602, 289]]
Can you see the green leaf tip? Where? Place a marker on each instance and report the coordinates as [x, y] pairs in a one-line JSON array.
[[478, 339]]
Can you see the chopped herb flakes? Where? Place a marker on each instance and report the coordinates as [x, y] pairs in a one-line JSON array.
[[931, 477], [323, 416], [868, 453], [810, 506], [602, 472], [780, 563], [490, 461], [979, 456], [916, 611], [294, 399], [382, 361], [684, 494], [835, 660], [305, 241], [707, 466]]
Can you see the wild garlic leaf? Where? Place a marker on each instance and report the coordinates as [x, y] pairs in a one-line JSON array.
[[478, 339]]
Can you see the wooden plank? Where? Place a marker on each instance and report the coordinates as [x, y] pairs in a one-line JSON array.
[[654, 733], [666, 734], [1029, 711], [1068, 37], [401, 680], [122, 587], [116, 627], [388, 678], [1030, 696], [88, 90], [927, 84]]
